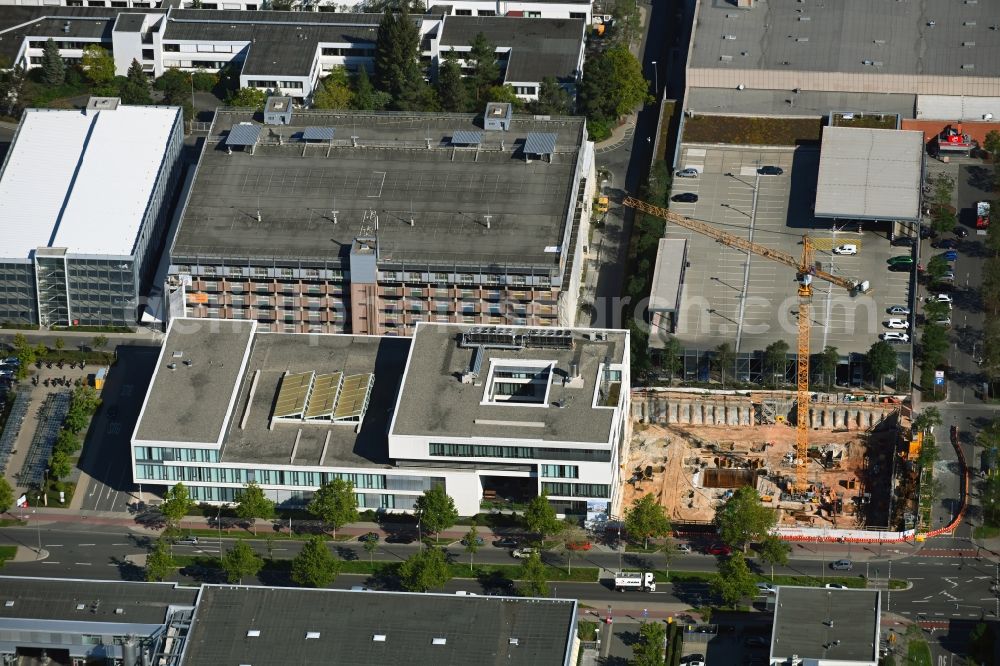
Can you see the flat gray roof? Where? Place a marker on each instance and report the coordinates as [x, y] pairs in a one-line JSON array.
[[447, 191], [665, 292], [808, 620], [345, 624], [58, 599], [276, 353], [842, 36], [803, 103], [189, 403], [434, 401], [870, 174]]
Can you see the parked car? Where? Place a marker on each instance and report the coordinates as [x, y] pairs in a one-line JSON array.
[[943, 321], [897, 323], [898, 310], [685, 197], [579, 545], [757, 642], [719, 549], [686, 173], [683, 548], [842, 565], [950, 255], [897, 336], [849, 248], [835, 586], [927, 232], [903, 241], [945, 244], [767, 588], [523, 553], [694, 660], [369, 536], [902, 259], [770, 170], [961, 232], [188, 541], [938, 298], [479, 541], [507, 542], [947, 277]]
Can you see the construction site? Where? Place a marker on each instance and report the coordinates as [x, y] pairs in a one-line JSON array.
[[692, 450]]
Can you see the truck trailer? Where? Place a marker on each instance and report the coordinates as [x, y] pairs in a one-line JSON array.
[[635, 580]]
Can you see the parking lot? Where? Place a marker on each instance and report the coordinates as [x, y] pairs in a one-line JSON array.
[[751, 301]]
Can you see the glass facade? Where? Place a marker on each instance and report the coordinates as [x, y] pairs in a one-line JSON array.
[[520, 452], [102, 292], [17, 294], [301, 497], [560, 471], [159, 454], [576, 489]]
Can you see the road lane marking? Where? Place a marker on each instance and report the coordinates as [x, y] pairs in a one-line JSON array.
[[53, 545], [47, 562], [86, 544], [82, 564]]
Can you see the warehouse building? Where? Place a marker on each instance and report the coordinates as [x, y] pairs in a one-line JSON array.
[[489, 413], [814, 625], [64, 621], [86, 195], [369, 223]]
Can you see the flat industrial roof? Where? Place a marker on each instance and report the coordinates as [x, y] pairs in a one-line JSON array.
[[954, 107], [434, 401], [539, 47], [802, 103], [934, 37], [834, 625], [59, 599], [82, 180], [666, 290], [446, 191], [190, 403], [870, 174], [304, 626]]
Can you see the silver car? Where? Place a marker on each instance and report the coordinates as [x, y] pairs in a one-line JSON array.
[[898, 310], [686, 173]]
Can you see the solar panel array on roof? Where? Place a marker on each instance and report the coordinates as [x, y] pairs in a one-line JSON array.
[[354, 397], [243, 134], [466, 138], [318, 133], [540, 143], [326, 390], [293, 394]]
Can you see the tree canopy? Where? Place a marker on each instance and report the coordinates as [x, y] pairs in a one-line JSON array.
[[53, 66], [881, 359], [435, 509], [241, 561], [453, 94], [553, 99], [424, 570], [315, 565], [159, 561], [335, 503], [646, 518], [397, 66], [248, 98], [649, 650], [540, 517], [6, 495], [532, 576], [176, 503], [334, 91], [743, 519], [251, 504], [734, 580], [613, 85], [98, 64], [774, 551], [485, 71]]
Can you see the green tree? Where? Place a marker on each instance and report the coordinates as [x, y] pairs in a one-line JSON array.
[[59, 344], [98, 64], [670, 357], [482, 58], [334, 91], [571, 535], [882, 360], [176, 504], [241, 562], [646, 518], [370, 546], [53, 66], [472, 544], [504, 94], [725, 360], [743, 519], [435, 510], [176, 88], [365, 97], [67, 442], [613, 85], [540, 517], [935, 310], [553, 99], [990, 499], [11, 91], [315, 565], [134, 90], [933, 343], [100, 341], [943, 219], [991, 144], [25, 352], [6, 495], [533, 577], [774, 551], [423, 570], [937, 267], [649, 650], [60, 465], [397, 68], [453, 95], [776, 361], [251, 504], [248, 98], [734, 580], [929, 452], [929, 417], [335, 503], [159, 561], [827, 365]]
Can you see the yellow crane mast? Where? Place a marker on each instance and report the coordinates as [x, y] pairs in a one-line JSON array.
[[806, 271]]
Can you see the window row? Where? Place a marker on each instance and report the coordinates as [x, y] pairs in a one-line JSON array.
[[158, 454], [365, 500], [268, 477], [560, 471], [517, 452], [576, 489]]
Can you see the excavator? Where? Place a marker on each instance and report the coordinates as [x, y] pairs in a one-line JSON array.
[[806, 272]]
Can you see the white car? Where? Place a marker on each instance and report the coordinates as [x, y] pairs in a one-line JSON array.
[[766, 588], [897, 323], [938, 298], [523, 553], [898, 336], [849, 248], [835, 586], [683, 548]]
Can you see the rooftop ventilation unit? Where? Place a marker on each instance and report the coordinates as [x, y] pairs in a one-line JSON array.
[[439, 641], [8, 604], [253, 633], [378, 638], [312, 634], [968, 66], [119, 611], [512, 641]]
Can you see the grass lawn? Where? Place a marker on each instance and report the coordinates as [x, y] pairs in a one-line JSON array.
[[752, 131], [869, 121], [262, 534], [986, 532], [918, 653], [7, 553], [805, 581]]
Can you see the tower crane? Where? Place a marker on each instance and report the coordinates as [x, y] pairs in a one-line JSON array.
[[806, 271]]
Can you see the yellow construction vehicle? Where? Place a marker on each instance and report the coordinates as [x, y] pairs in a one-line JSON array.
[[602, 205], [806, 272]]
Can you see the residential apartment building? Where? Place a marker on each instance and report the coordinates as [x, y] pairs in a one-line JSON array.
[[384, 221], [494, 413], [85, 196]]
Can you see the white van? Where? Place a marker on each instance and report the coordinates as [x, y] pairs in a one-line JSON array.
[[896, 335]]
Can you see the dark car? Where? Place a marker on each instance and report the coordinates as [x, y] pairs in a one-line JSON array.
[[945, 244], [770, 171], [507, 542], [479, 541], [901, 241], [757, 642], [927, 232], [370, 536], [685, 197], [960, 232]]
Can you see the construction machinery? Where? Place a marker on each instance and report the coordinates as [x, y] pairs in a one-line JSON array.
[[806, 271]]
